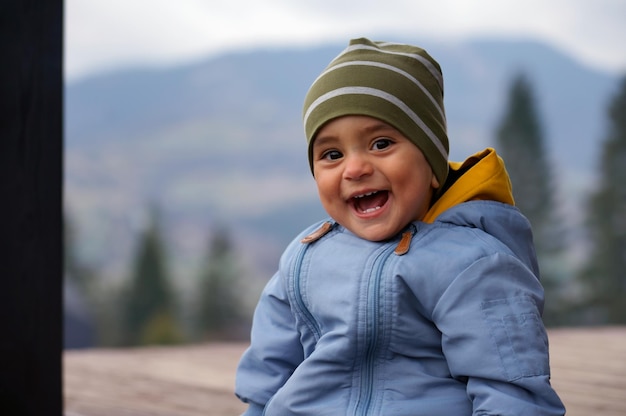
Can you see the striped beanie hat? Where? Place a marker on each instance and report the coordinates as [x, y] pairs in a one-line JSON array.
[[399, 84]]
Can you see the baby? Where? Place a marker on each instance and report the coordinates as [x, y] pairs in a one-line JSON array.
[[421, 294]]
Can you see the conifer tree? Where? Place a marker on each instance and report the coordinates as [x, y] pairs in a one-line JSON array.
[[520, 141], [604, 277], [219, 308], [100, 300], [149, 316], [75, 270], [79, 299]]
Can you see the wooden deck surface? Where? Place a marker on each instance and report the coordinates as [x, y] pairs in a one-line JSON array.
[[588, 372]]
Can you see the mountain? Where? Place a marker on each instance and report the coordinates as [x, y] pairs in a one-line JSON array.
[[219, 142]]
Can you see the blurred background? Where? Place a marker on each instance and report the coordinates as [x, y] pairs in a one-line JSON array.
[[185, 159]]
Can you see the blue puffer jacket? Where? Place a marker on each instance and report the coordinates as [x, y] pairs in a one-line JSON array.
[[445, 319]]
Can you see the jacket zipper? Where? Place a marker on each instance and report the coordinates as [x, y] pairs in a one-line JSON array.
[[304, 311], [373, 313]]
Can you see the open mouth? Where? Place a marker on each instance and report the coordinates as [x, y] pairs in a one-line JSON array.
[[370, 202]]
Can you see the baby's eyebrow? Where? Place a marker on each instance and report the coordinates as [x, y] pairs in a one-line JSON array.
[[376, 127], [327, 139], [324, 141], [379, 127]]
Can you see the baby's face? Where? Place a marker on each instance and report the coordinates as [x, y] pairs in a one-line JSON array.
[[371, 179]]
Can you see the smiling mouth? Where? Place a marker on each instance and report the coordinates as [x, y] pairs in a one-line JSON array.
[[370, 201]]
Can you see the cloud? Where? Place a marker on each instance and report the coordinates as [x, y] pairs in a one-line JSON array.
[[107, 34]]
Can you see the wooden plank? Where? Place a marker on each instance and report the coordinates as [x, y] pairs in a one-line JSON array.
[[589, 369], [588, 372], [184, 381]]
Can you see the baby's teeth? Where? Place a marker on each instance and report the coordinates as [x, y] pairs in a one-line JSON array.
[[367, 211], [364, 195]]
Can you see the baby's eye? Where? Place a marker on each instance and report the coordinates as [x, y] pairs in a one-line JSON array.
[[331, 155], [382, 143]]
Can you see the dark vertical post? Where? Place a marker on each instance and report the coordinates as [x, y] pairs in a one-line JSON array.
[[31, 148]]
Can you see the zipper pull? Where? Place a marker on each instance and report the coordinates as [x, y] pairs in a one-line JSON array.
[[405, 243], [317, 234]]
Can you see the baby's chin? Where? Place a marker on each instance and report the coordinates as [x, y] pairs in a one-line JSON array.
[[373, 234]]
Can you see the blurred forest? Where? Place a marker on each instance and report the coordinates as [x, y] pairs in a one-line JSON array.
[[585, 283]]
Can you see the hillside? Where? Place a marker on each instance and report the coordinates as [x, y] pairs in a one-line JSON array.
[[220, 142]]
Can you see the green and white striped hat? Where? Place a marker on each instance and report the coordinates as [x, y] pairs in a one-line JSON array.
[[399, 84]]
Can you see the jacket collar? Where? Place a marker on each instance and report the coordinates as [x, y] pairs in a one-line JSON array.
[[481, 176]]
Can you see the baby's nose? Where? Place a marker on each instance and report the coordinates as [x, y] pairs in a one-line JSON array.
[[357, 166]]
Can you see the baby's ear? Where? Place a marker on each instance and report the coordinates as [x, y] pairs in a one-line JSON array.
[[434, 182]]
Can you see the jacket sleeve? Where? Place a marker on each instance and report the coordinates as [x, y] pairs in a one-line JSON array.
[[493, 338], [275, 350]]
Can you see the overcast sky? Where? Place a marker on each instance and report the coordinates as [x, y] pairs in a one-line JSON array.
[[109, 34]]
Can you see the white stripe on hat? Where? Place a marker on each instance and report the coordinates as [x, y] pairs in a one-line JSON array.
[[429, 65], [385, 96], [391, 68]]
